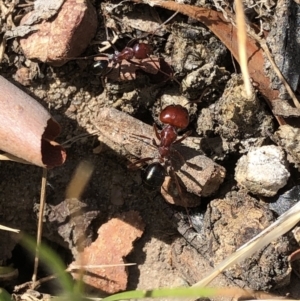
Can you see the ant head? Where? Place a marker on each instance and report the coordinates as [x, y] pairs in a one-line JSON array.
[[142, 50], [175, 115]]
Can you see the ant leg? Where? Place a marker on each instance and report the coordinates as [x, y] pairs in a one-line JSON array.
[[183, 161], [130, 43], [157, 134], [133, 63], [179, 155], [170, 76], [113, 45], [153, 32], [103, 83], [110, 69], [154, 144], [141, 136], [183, 137], [134, 165], [207, 89], [88, 57], [180, 194]]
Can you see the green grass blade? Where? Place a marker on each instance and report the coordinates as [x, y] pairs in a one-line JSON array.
[[52, 260], [4, 295], [164, 292]]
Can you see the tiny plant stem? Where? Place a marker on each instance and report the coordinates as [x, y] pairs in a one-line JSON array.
[[40, 224], [242, 40]]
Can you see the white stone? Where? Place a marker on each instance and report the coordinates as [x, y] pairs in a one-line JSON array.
[[263, 171]]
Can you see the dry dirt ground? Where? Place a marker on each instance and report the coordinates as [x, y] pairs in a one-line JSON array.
[[167, 255]]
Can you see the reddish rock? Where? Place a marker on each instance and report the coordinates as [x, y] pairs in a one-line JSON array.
[[64, 37], [115, 241]]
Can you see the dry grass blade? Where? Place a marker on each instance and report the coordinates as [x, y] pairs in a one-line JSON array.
[[98, 266], [70, 269], [9, 229], [40, 223], [284, 224], [242, 39], [246, 294], [79, 180]]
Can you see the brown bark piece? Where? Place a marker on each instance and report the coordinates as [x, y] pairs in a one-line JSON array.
[[170, 193], [27, 130], [115, 241], [64, 37]]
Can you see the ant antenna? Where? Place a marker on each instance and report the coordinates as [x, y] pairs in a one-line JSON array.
[[160, 26], [169, 19]]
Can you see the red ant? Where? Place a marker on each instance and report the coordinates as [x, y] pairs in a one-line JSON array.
[[175, 117], [138, 51]]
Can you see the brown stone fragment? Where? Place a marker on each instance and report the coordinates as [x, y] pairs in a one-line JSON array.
[[288, 138], [115, 241], [64, 37], [192, 265], [233, 221], [170, 193]]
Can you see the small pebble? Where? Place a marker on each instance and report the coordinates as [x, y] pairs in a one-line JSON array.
[[263, 171]]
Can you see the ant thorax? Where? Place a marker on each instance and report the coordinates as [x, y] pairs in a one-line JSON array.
[[168, 136]]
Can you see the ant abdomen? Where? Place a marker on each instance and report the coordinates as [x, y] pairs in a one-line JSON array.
[[153, 176], [100, 67]]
